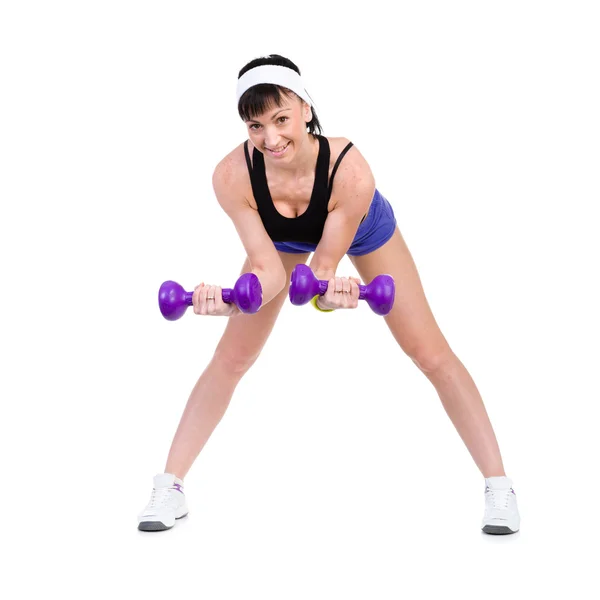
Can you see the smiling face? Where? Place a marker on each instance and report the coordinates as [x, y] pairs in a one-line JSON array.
[[281, 130]]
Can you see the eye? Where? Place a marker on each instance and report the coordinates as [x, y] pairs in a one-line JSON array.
[[284, 119], [254, 125]]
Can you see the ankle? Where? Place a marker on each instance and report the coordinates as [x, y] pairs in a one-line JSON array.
[[494, 473], [178, 479]]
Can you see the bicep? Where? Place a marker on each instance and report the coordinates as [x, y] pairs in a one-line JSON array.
[[247, 222], [258, 245], [339, 230], [354, 192]]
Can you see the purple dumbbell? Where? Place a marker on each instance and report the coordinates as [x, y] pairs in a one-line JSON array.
[[379, 294], [246, 294]]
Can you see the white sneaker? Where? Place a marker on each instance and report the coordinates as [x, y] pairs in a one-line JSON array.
[[501, 513], [167, 504]]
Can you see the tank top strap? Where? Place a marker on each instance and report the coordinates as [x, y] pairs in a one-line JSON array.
[[258, 179], [337, 164], [247, 157], [322, 168]]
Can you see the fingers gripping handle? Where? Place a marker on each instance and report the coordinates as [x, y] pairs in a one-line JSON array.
[[379, 294], [188, 296], [173, 300]]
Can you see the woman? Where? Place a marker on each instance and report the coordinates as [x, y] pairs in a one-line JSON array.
[[289, 192]]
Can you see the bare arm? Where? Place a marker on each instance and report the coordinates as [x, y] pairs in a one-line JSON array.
[[353, 189], [263, 256]]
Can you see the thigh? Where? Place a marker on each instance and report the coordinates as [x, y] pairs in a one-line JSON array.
[[411, 320], [245, 335]]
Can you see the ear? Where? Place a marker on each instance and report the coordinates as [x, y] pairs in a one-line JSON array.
[[306, 112]]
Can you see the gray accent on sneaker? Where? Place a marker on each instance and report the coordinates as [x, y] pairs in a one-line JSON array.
[[156, 525], [497, 529], [152, 526]]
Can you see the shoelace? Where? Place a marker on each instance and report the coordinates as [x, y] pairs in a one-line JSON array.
[[499, 498], [159, 497]]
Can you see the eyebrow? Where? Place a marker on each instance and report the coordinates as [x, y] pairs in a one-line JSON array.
[[279, 111]]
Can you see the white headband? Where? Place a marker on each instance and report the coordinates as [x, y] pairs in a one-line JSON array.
[[282, 76]]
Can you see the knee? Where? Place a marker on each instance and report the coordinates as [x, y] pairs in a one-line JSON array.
[[430, 360], [235, 360]]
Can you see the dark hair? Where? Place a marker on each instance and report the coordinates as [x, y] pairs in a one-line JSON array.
[[260, 97]]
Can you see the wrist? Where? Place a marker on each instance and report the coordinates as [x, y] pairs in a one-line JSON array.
[[315, 303], [324, 274]]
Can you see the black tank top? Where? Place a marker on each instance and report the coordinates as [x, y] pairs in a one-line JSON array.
[[307, 227]]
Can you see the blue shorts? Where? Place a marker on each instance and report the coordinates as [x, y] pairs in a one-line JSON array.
[[377, 228]]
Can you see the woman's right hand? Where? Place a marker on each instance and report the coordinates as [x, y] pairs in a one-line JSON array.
[[208, 300]]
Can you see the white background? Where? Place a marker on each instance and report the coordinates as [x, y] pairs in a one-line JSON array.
[[335, 473]]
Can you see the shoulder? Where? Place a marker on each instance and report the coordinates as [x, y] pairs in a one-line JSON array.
[[230, 177], [337, 145], [232, 167], [352, 161], [353, 170], [353, 184]]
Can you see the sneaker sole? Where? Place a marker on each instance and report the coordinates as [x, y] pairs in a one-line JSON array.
[[157, 525], [497, 530]]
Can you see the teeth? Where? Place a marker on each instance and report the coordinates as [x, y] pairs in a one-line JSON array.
[[278, 149]]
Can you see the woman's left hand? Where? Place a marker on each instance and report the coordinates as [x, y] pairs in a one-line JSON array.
[[342, 292]]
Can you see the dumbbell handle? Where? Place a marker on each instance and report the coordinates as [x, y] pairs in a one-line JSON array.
[[323, 285], [226, 295], [173, 300], [379, 294]]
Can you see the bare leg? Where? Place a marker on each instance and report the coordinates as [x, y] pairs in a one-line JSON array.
[[240, 346], [463, 404], [415, 329], [205, 408]]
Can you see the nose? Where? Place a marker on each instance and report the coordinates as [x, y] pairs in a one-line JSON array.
[[272, 139]]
